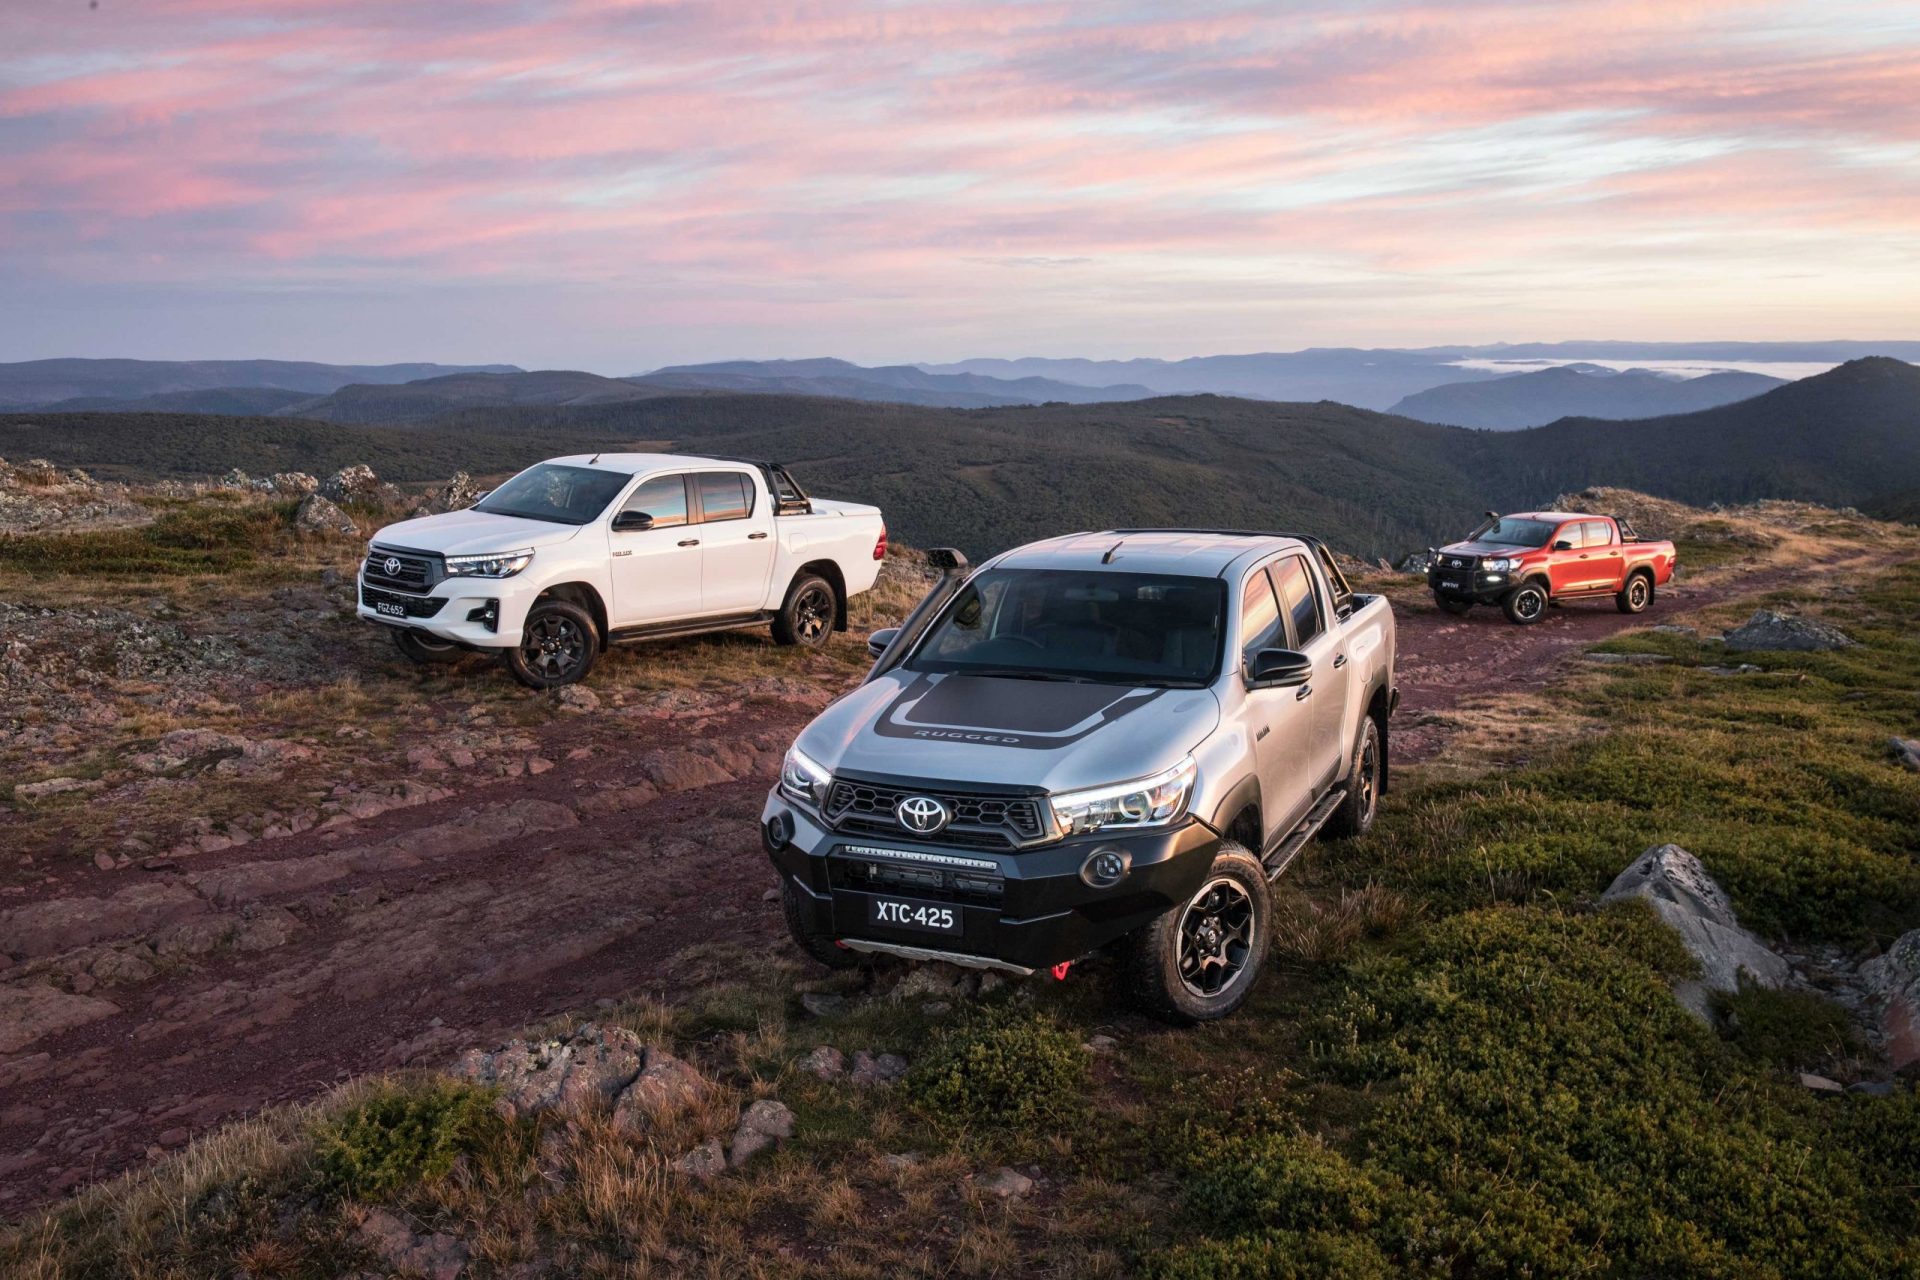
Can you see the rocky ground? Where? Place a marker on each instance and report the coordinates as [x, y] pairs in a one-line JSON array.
[[251, 852]]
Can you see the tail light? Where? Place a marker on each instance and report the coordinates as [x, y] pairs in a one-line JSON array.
[[880, 547]]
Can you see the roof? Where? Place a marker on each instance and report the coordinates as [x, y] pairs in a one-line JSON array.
[[635, 463], [1195, 552], [1556, 516]]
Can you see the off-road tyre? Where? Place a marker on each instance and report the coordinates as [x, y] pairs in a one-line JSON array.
[[1183, 969], [418, 646], [557, 647], [1365, 775], [1448, 604], [817, 946], [1526, 604], [1637, 594], [807, 615]]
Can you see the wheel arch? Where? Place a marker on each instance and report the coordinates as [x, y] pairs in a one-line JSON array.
[[1238, 816], [830, 570], [1380, 711], [586, 596]]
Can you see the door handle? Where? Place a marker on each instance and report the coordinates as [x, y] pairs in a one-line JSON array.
[[1265, 729], [1304, 692], [689, 542], [1339, 661], [755, 537]]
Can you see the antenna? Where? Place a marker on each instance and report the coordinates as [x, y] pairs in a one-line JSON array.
[[1112, 551], [594, 460]]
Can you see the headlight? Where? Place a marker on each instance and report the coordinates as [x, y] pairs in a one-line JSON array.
[[802, 779], [500, 564], [1503, 565], [1149, 802]]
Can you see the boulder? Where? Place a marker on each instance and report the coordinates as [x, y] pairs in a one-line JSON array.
[[1906, 751], [826, 1062], [293, 482], [1687, 898], [1006, 1183], [1418, 562], [433, 1254], [1772, 632], [32, 1010], [765, 1124], [456, 494], [876, 1068], [664, 1088], [350, 483], [707, 1160], [317, 515], [1894, 981], [588, 1068]]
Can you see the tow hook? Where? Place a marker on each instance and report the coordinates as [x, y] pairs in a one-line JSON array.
[[1060, 970]]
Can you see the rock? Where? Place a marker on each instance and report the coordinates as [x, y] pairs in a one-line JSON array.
[[456, 494], [666, 1087], [1739, 669], [317, 515], [1773, 632], [765, 1124], [1675, 629], [903, 1161], [1820, 1084], [235, 479], [1893, 980], [34, 1010], [1906, 751], [572, 697], [53, 787], [588, 1068], [432, 1254], [1873, 1088], [1417, 562], [826, 1062], [291, 482], [871, 1069], [823, 1004], [354, 483], [1628, 659], [1006, 1183], [60, 924], [1102, 1044], [934, 979], [707, 1160], [1686, 898]]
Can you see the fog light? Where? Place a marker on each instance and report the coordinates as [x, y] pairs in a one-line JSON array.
[[487, 615], [779, 831], [1105, 868]]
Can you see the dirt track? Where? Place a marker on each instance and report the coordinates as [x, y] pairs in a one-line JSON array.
[[398, 939]]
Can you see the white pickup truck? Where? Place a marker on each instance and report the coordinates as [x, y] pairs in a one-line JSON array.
[[581, 552]]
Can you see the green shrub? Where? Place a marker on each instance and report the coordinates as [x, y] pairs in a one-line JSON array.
[[200, 537], [401, 1136], [1793, 1029], [1002, 1068], [1280, 1255]]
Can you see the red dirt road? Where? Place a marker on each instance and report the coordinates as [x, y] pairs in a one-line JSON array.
[[402, 938]]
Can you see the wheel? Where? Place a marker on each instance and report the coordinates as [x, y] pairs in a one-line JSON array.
[[1525, 604], [1458, 608], [1636, 595], [1200, 960], [1355, 815], [558, 646], [817, 946], [807, 616], [424, 649]]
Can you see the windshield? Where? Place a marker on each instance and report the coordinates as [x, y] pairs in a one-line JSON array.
[[1511, 531], [1061, 624], [564, 495]]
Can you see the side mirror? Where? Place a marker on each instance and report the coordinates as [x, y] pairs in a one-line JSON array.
[[1563, 545], [632, 522], [878, 642], [1279, 669], [480, 496]]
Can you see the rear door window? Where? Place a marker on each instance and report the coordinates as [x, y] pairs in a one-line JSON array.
[[1298, 598], [724, 495], [1597, 534]]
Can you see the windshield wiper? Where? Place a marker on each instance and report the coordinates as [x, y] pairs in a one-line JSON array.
[[1024, 673]]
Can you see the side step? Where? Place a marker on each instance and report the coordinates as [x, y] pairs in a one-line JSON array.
[[1287, 850]]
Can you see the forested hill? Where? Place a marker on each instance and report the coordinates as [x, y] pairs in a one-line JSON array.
[[989, 478]]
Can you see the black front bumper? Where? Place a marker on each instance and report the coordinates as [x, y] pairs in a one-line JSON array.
[[1028, 908], [1480, 585]]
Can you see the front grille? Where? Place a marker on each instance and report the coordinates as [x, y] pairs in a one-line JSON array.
[[404, 570], [981, 822], [1450, 562], [936, 884], [414, 606]]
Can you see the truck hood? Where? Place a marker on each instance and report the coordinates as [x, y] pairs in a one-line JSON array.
[[1482, 549], [461, 533], [959, 729]]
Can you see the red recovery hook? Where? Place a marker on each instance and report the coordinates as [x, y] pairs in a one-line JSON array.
[[1060, 970]]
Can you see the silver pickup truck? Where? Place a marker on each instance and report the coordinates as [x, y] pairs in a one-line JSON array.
[[1106, 738]]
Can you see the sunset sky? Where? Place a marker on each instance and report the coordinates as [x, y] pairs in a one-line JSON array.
[[614, 186]]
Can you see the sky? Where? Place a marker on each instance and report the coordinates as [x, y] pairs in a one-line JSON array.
[[620, 184]]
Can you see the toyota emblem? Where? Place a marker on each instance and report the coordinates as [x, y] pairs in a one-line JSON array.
[[392, 566], [922, 815]]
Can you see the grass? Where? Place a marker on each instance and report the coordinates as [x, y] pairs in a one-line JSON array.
[[1458, 1064], [208, 535]]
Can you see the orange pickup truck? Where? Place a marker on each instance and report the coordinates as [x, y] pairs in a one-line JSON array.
[[1526, 562]]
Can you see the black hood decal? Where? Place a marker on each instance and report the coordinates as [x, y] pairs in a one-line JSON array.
[[1039, 715]]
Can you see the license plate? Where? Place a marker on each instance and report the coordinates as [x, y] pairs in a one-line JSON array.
[[1453, 583], [391, 609], [924, 917]]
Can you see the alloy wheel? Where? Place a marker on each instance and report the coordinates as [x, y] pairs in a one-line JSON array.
[[1216, 937], [813, 614], [553, 647]]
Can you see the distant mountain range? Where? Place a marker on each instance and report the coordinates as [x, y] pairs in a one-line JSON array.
[[1577, 390], [32, 384], [1374, 484], [899, 383]]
